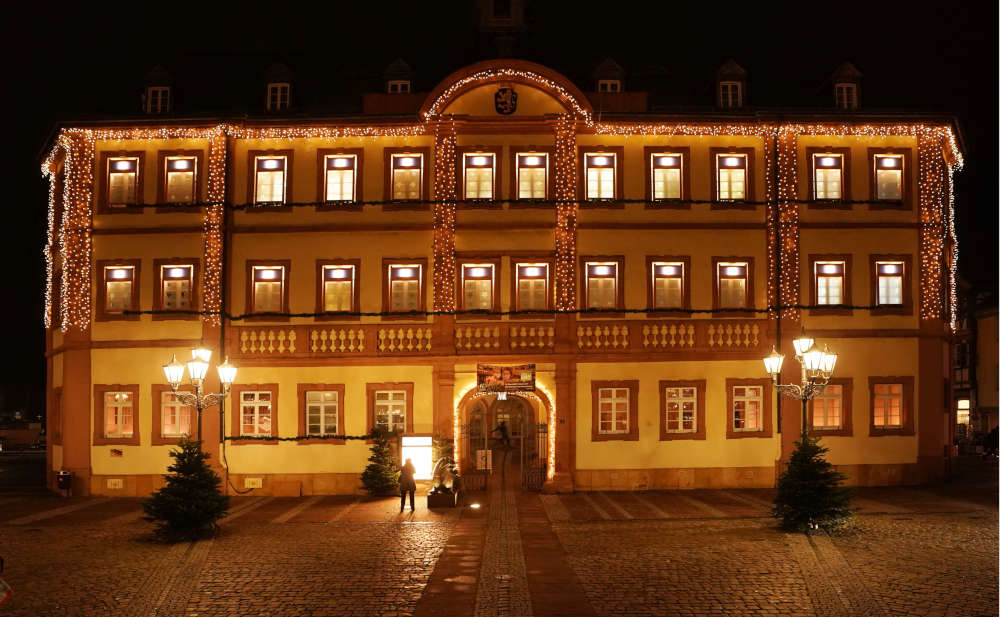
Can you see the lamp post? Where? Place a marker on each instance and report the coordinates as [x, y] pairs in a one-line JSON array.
[[817, 369], [197, 367]]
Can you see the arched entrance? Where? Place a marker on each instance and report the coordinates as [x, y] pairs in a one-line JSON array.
[[525, 416]]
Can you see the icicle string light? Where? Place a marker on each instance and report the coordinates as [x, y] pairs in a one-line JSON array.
[[493, 75], [938, 159]]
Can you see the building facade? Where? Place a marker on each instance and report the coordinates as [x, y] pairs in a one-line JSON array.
[[358, 271]]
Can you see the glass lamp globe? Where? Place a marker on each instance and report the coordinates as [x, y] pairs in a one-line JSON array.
[[197, 369], [829, 361], [174, 372], [227, 373], [813, 359], [802, 344], [773, 362], [201, 353]]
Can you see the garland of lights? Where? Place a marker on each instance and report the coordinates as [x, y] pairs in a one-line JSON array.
[[935, 175], [55, 179], [493, 75], [445, 140]]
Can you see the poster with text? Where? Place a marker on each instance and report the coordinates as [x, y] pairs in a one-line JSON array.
[[506, 378]]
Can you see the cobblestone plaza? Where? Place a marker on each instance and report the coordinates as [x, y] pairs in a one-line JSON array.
[[916, 551]]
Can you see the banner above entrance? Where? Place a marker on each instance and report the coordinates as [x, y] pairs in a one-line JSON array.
[[505, 378]]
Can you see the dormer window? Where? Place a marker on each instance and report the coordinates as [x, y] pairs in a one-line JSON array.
[[278, 96], [846, 95], [609, 85], [398, 86], [730, 94], [157, 99]]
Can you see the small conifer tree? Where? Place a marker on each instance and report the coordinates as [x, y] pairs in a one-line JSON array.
[[810, 491], [190, 505], [381, 476]]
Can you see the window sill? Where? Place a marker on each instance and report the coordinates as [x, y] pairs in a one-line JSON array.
[[890, 432], [830, 432], [265, 318], [829, 204], [253, 442], [667, 204], [316, 442], [696, 436], [734, 434], [116, 441]]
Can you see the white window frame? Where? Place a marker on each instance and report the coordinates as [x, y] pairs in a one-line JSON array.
[[113, 172], [171, 407], [398, 161], [279, 95], [886, 399], [256, 404], [723, 163], [323, 411], [596, 161], [330, 278], [666, 161], [832, 392], [523, 160], [169, 274], [260, 166], [281, 279], [522, 273], [330, 165], [898, 169], [880, 297], [470, 274], [820, 165], [162, 96], [730, 94], [601, 275], [120, 402], [667, 270], [845, 96], [747, 399], [173, 165], [109, 279], [722, 274], [389, 404], [481, 162], [610, 395], [418, 276], [821, 273], [680, 399]]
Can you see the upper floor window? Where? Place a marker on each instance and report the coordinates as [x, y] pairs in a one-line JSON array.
[[478, 281], [732, 285], [668, 284], [889, 177], [123, 180], [731, 177], [270, 179], [339, 287], [609, 85], [180, 177], [532, 286], [176, 282], [600, 170], [405, 282], [157, 99], [119, 282], [889, 282], [666, 175], [341, 179], [846, 95], [601, 288], [828, 176], [730, 94], [962, 410], [829, 282], [278, 96], [407, 176], [532, 175], [398, 86], [479, 174], [268, 290]]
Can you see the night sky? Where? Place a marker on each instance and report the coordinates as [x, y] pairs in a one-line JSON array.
[[68, 63]]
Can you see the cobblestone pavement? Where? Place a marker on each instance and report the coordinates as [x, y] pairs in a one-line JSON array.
[[929, 551]]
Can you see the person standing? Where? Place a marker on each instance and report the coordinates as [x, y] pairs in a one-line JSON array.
[[407, 484], [501, 429]]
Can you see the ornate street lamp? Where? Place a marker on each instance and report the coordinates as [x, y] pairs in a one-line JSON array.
[[197, 368], [817, 369]]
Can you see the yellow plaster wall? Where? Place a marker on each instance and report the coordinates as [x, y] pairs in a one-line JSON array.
[[530, 102], [649, 452]]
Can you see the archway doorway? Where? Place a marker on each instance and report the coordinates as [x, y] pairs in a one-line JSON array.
[[480, 444]]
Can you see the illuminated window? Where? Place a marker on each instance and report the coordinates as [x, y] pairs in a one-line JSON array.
[[731, 278], [532, 175], [828, 408], [681, 409], [731, 176], [338, 288], [407, 176], [278, 96], [119, 414], [613, 411], [477, 286], [668, 284], [748, 403], [479, 174], [532, 286], [609, 85], [157, 99], [390, 410], [255, 412], [404, 287], [962, 411], [599, 171], [889, 284], [119, 286], [268, 289], [340, 177], [888, 405], [270, 179], [322, 412], [730, 94], [602, 285], [828, 176], [123, 180], [846, 96], [176, 282], [180, 182], [829, 282], [666, 169], [889, 177], [175, 416], [398, 86]]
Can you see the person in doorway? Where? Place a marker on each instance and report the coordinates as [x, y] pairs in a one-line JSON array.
[[501, 430], [407, 484]]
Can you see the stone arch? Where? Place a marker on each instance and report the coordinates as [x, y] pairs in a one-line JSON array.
[[506, 70], [544, 409]]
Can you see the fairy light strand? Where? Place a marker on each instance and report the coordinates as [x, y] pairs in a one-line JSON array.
[[445, 140]]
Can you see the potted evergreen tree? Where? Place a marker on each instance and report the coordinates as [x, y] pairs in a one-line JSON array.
[[381, 476], [810, 491], [190, 505]]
